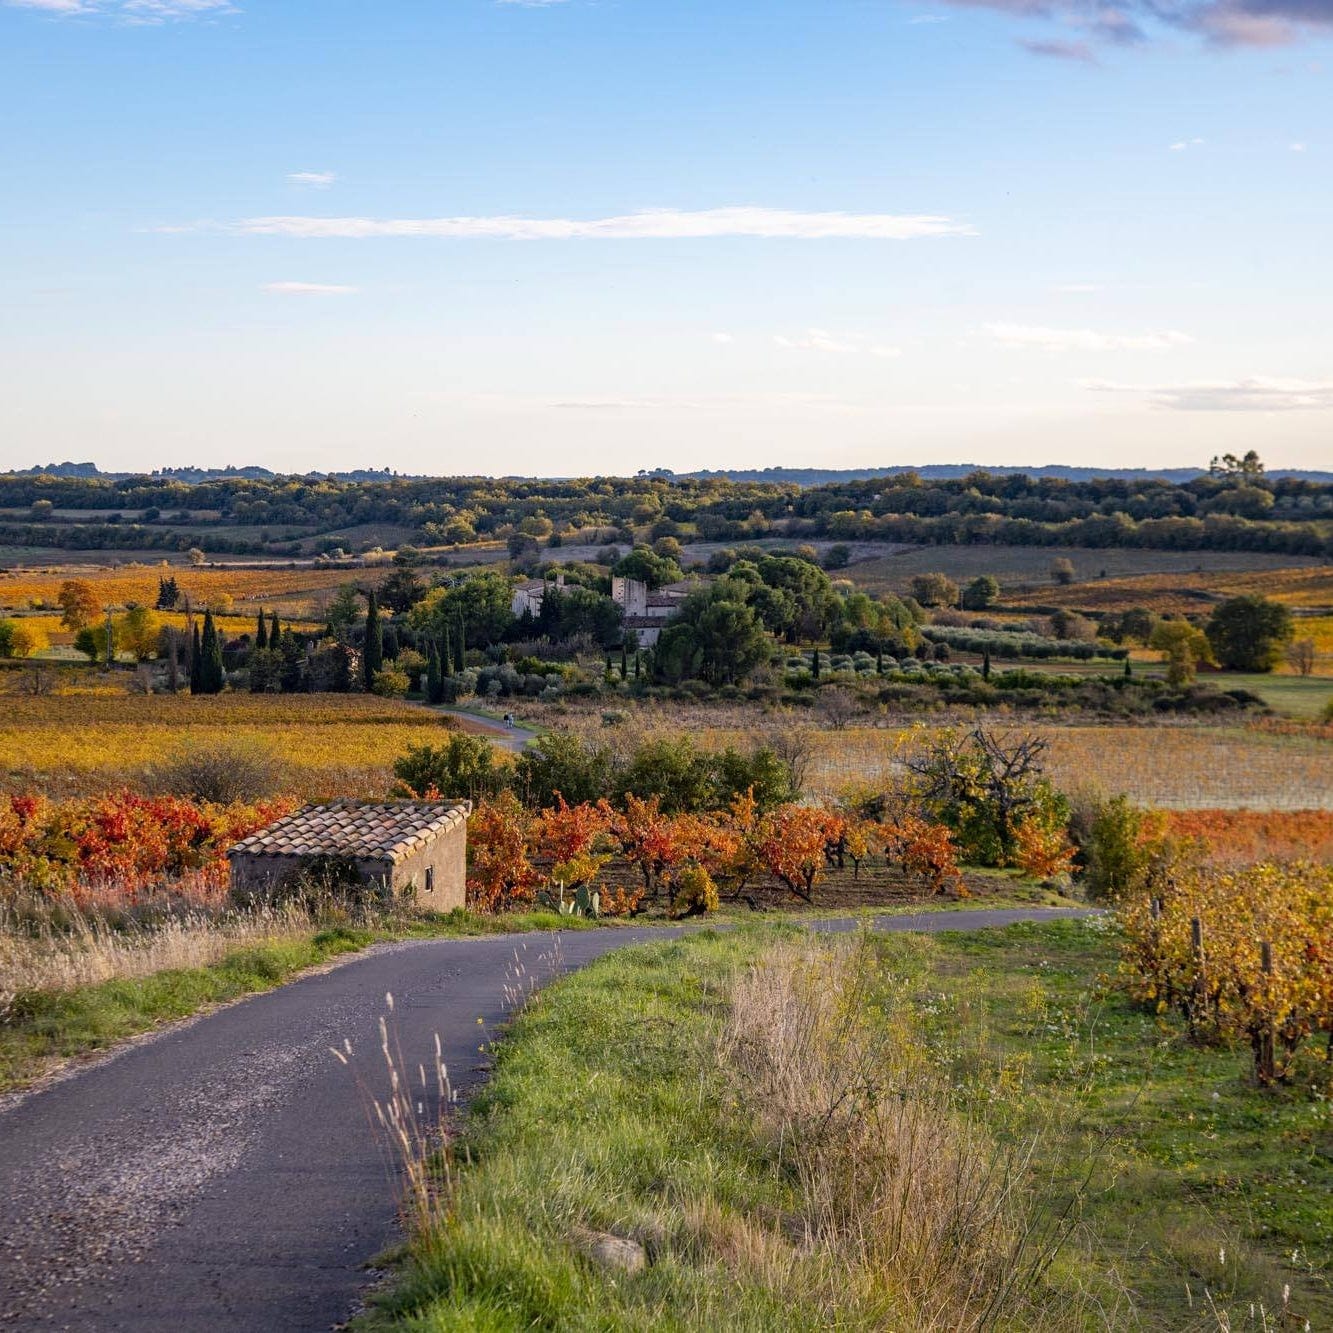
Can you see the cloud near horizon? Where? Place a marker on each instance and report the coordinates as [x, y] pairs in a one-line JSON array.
[[646, 225], [1042, 339], [308, 289], [1255, 394]]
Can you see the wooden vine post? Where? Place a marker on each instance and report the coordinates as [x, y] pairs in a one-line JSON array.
[[1265, 1056]]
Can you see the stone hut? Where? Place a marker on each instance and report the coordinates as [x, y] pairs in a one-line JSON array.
[[415, 849]]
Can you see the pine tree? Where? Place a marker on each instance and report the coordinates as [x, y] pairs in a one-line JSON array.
[[196, 662], [261, 632], [372, 654]]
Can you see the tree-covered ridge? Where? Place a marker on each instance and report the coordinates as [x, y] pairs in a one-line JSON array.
[[1227, 509]]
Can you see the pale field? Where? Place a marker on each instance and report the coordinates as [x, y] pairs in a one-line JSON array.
[[332, 745], [1299, 586], [1027, 568], [1284, 767]]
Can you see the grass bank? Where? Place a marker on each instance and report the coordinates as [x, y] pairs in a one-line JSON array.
[[741, 1108]]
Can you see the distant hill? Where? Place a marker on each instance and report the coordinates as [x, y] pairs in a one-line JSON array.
[[779, 476], [818, 476]]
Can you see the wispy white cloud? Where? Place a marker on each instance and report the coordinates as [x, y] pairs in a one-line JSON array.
[[723, 339], [1256, 394], [1038, 338], [309, 289], [1184, 145], [1297, 147], [132, 11], [821, 340], [648, 225], [316, 180]]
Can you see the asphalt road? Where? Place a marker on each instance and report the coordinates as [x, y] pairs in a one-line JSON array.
[[223, 1175]]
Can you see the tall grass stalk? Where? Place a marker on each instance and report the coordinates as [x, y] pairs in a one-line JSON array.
[[907, 1199]]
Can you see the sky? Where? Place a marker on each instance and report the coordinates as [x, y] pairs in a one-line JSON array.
[[581, 236]]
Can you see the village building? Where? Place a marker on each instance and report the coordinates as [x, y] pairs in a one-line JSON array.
[[647, 611], [528, 597], [397, 849]]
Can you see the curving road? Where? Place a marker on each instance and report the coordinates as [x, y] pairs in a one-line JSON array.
[[223, 1175]]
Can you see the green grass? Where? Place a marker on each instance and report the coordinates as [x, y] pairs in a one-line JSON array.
[[1299, 696], [607, 1110]]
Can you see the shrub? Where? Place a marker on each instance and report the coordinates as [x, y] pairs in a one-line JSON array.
[[694, 893], [1117, 844], [390, 683], [226, 772]]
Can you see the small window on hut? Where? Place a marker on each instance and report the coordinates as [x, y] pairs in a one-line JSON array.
[[430, 879]]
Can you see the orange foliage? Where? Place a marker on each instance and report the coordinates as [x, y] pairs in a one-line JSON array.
[[499, 873], [1240, 837], [119, 845], [923, 849]]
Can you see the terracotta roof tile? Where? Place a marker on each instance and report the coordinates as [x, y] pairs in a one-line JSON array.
[[384, 830]]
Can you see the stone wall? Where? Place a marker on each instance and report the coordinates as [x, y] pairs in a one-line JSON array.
[[446, 857]]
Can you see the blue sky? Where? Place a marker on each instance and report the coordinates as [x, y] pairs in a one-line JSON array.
[[469, 236]]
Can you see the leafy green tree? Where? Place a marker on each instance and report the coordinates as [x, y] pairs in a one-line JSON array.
[[137, 632], [1186, 648], [561, 764], [644, 564], [475, 610], [1250, 633], [935, 590], [344, 611], [463, 768], [983, 591]]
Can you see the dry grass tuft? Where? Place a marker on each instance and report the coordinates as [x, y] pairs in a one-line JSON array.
[[904, 1199]]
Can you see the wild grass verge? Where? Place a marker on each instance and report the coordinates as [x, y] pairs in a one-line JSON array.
[[754, 1131], [72, 982]]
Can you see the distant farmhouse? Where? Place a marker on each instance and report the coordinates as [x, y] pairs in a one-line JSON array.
[[647, 612], [396, 849]]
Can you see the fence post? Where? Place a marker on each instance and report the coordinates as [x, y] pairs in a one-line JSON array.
[[1265, 1055], [1199, 1002]]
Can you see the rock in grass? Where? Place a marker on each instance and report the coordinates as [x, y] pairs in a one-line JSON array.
[[614, 1254]]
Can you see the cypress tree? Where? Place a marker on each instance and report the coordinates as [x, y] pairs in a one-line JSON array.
[[638, 665], [608, 668], [196, 663], [1129, 671], [372, 655], [212, 674], [460, 647], [814, 664], [879, 662], [985, 665], [624, 662], [274, 631], [446, 655], [434, 681], [261, 632]]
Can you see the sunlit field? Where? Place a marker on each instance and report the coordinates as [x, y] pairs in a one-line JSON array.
[[333, 744], [289, 591]]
